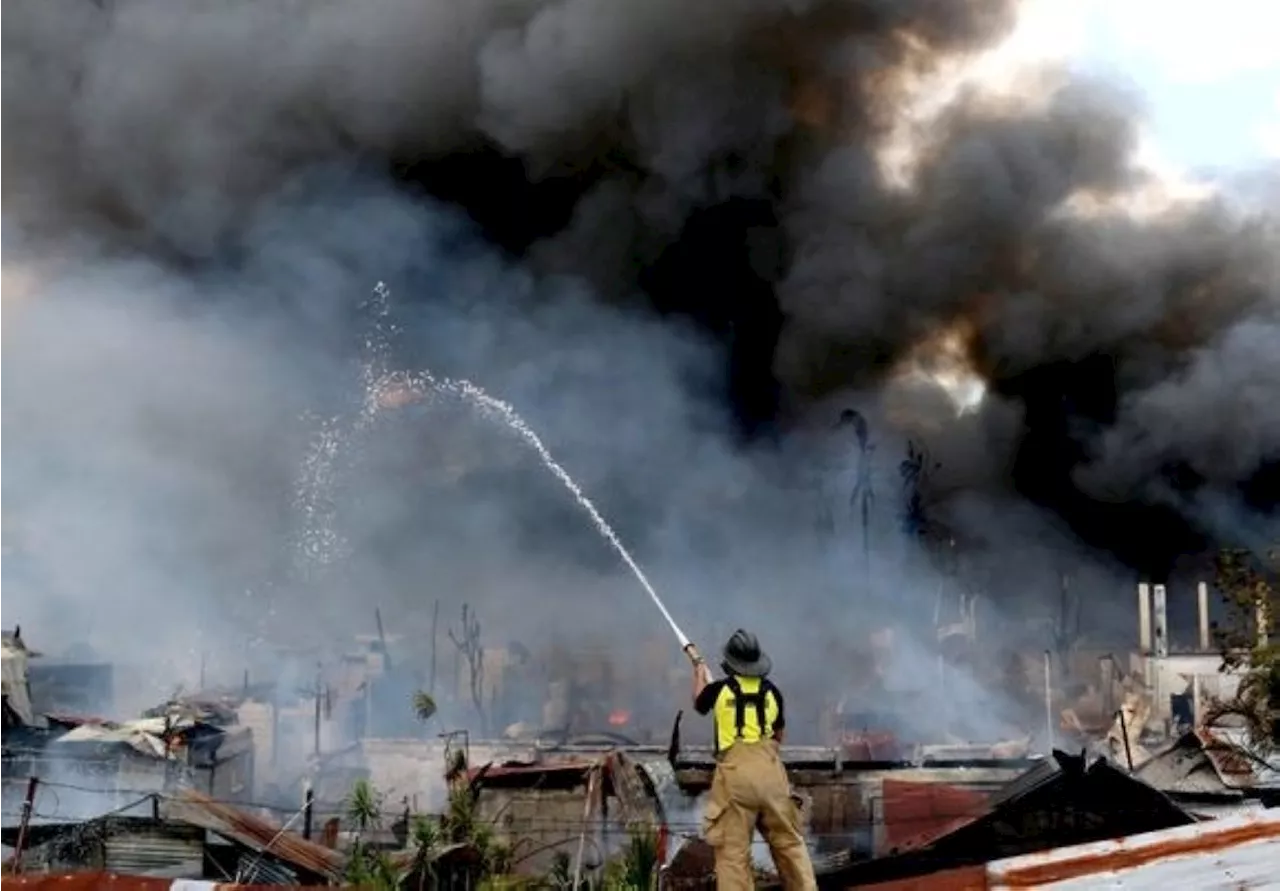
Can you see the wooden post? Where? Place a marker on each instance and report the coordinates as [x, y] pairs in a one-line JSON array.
[[28, 804], [308, 805]]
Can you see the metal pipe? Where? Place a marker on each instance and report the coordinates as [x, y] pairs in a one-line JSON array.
[[28, 805], [1160, 610], [1124, 731], [592, 778]]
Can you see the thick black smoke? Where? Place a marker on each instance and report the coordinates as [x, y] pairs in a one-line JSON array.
[[714, 162]]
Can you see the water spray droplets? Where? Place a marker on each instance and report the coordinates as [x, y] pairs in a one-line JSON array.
[[314, 502], [382, 388], [320, 544]]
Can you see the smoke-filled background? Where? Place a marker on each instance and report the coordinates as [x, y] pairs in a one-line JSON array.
[[682, 239]]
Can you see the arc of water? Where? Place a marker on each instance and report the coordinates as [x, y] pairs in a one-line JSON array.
[[503, 411]]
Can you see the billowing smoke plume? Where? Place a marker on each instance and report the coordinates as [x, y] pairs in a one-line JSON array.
[[668, 233]]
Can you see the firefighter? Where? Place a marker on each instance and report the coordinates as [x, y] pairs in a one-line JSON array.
[[750, 789]]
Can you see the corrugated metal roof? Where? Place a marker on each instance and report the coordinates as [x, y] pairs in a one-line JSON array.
[[155, 852], [532, 771], [1040, 775], [104, 881], [917, 813], [1184, 768], [1236, 760], [1237, 853], [1218, 760], [255, 833]]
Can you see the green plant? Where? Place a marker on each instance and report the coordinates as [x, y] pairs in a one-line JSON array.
[[636, 867], [560, 876], [459, 822], [424, 706], [1249, 588], [363, 806], [457, 766], [641, 858], [425, 834], [366, 867]]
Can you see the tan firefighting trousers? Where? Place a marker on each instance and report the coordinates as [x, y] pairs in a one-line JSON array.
[[750, 790]]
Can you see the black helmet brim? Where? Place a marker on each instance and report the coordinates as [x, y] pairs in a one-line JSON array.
[[758, 668]]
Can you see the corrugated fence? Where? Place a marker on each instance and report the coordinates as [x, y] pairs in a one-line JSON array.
[[105, 881]]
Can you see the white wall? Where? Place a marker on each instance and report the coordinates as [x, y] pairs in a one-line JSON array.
[[1170, 675]]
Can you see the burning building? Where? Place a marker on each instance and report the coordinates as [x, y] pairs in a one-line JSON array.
[[93, 767]]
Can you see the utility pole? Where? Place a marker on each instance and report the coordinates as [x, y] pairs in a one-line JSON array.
[[435, 625], [318, 692], [862, 498], [317, 723]]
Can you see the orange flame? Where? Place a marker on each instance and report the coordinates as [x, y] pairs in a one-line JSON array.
[[619, 718]]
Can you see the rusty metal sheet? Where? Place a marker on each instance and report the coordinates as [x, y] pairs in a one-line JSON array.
[[253, 832], [915, 814], [1235, 853]]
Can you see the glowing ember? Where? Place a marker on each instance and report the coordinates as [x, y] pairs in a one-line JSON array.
[[397, 396], [619, 718]]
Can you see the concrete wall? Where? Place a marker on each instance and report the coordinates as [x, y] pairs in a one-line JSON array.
[[1171, 674], [544, 822], [414, 768]]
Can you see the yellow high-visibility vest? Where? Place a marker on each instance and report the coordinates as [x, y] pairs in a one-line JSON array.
[[745, 709]]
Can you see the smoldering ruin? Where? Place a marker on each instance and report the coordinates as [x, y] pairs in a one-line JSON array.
[[685, 241]]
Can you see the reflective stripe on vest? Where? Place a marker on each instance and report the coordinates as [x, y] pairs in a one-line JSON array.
[[745, 711]]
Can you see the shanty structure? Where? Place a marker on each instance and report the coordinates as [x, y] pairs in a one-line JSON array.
[[582, 807], [189, 837], [863, 804], [15, 689], [1237, 853], [300, 861], [105, 881], [1062, 800], [108, 765]]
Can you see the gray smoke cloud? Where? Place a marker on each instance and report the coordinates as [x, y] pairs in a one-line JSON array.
[[199, 197]]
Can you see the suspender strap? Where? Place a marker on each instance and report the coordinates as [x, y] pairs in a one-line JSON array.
[[740, 701]]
